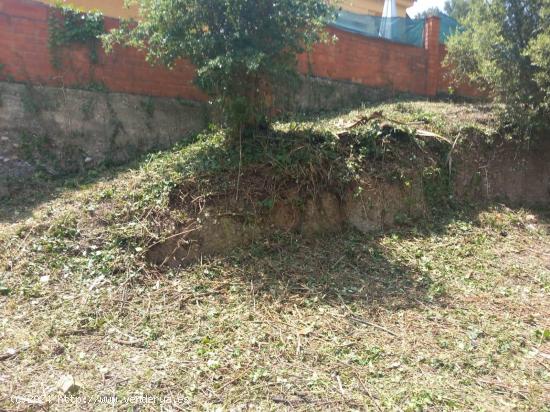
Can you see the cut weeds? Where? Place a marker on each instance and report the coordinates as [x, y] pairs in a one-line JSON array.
[[452, 315]]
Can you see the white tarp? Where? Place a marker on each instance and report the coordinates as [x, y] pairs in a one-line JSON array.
[[390, 11]]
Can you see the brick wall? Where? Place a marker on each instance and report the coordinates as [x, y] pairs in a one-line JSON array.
[[25, 56], [368, 61]]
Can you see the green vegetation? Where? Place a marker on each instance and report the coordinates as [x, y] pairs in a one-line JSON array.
[[35, 101], [3, 74], [539, 52], [432, 11], [35, 145], [450, 314], [457, 9], [88, 108], [458, 314], [502, 50], [148, 106], [308, 152], [243, 49], [69, 26]]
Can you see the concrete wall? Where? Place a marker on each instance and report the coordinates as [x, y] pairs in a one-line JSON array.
[[58, 131], [315, 94]]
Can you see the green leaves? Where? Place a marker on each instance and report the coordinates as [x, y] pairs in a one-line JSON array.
[[542, 335], [503, 50], [242, 48], [4, 290], [539, 53], [68, 26]]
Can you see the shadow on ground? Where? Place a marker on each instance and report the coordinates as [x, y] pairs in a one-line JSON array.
[[33, 192], [356, 270]]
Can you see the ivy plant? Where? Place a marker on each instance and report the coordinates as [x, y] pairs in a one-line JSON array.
[[69, 26]]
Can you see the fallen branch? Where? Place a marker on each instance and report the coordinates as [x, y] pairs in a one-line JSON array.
[[543, 364], [278, 399], [137, 343], [379, 115], [187, 230], [519, 392], [373, 399], [235, 379], [374, 325], [450, 155], [426, 133], [365, 119]]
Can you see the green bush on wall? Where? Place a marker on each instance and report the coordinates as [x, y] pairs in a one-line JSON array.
[[71, 26]]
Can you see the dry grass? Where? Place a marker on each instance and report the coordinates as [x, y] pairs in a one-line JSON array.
[[452, 315], [445, 319]]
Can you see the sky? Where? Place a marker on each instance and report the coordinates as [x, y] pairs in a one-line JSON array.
[[422, 5]]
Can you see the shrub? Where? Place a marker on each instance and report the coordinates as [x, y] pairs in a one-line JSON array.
[[539, 53], [501, 50], [242, 48], [457, 9]]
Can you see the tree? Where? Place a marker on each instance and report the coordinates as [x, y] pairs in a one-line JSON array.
[[242, 49], [457, 9], [432, 11], [539, 52], [502, 50]]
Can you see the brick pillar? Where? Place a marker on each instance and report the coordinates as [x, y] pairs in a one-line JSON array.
[[431, 44]]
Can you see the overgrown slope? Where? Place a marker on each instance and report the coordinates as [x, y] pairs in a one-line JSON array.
[[449, 313]]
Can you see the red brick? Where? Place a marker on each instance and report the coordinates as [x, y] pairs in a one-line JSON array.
[[373, 62]]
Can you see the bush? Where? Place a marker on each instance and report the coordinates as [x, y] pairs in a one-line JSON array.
[[502, 51], [539, 52], [457, 9], [242, 48]]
